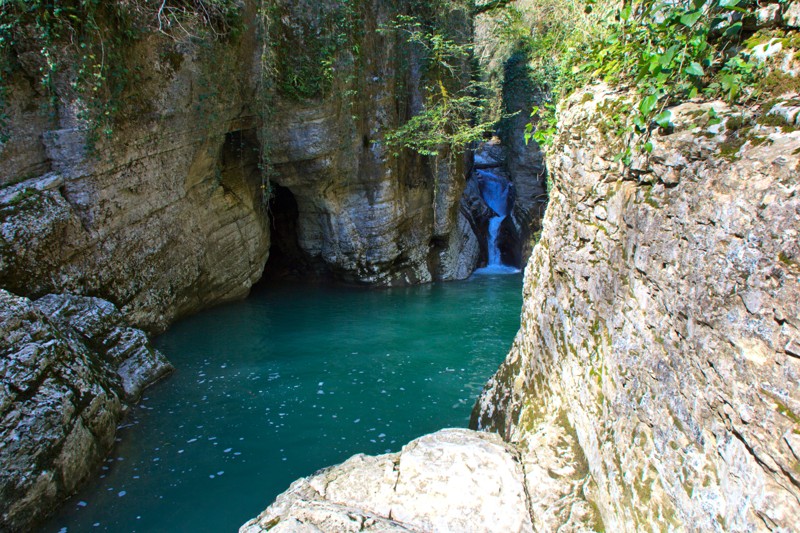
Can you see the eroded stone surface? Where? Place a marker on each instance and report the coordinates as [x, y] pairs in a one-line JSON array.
[[452, 480], [658, 308], [69, 366]]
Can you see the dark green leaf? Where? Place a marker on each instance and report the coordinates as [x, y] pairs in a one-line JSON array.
[[647, 104], [666, 58], [733, 29]]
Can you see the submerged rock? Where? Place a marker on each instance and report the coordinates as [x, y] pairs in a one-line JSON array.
[[70, 366]]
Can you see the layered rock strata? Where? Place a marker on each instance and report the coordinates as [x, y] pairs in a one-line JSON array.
[[661, 317], [170, 214], [70, 366], [163, 218]]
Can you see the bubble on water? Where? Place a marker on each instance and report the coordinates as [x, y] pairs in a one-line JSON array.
[[82, 503], [122, 493], [211, 476], [220, 472], [356, 421], [191, 441], [180, 451], [227, 450]]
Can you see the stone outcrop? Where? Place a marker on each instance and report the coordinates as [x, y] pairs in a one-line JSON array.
[[661, 318], [452, 480], [69, 366], [163, 218]]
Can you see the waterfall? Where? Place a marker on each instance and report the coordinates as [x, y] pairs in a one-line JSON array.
[[495, 193]]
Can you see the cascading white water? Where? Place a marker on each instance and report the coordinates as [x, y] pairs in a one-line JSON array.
[[494, 191]]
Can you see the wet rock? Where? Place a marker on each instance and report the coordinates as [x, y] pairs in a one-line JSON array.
[[69, 367]]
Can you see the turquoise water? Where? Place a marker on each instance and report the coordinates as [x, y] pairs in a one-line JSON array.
[[293, 379]]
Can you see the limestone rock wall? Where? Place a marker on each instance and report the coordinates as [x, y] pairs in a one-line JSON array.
[[661, 318], [165, 216], [168, 215], [370, 216], [69, 368]]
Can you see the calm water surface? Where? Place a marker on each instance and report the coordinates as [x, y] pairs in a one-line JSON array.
[[293, 379]]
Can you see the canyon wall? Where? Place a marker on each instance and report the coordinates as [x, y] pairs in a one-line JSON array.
[[170, 213], [661, 319], [654, 384]]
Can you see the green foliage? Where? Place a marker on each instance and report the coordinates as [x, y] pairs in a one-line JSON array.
[[452, 103], [447, 121], [82, 46], [666, 50], [306, 49]]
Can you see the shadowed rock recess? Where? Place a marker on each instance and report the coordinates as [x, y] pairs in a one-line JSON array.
[[653, 385]]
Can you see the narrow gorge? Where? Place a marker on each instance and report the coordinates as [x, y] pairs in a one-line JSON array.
[[315, 172]]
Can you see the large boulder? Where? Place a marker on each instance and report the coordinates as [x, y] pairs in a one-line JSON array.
[[70, 367]]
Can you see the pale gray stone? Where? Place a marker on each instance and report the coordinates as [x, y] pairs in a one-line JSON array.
[[69, 367], [649, 329], [452, 480]]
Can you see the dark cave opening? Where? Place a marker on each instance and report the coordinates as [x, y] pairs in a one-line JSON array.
[[287, 260]]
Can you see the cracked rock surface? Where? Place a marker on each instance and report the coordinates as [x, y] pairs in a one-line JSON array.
[[69, 367], [661, 317], [452, 480]]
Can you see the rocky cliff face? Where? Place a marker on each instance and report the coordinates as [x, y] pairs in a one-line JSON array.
[[167, 215], [661, 319], [365, 215], [164, 217], [70, 367], [655, 380]]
